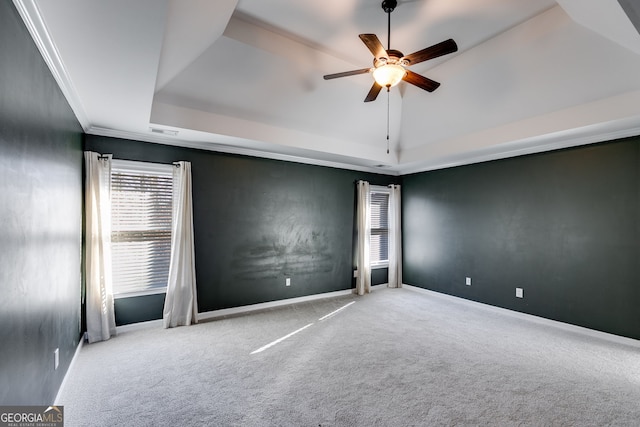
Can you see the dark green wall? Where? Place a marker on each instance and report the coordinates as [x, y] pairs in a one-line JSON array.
[[40, 221], [563, 225], [379, 276], [256, 222], [138, 309]]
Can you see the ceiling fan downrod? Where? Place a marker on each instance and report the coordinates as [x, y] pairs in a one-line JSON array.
[[389, 6]]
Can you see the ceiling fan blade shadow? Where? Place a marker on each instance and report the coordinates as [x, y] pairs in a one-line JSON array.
[[346, 73], [373, 92], [373, 43], [420, 81], [442, 48]]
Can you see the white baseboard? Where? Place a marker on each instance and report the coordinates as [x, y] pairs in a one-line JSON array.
[[530, 317], [57, 402], [209, 315], [140, 325]]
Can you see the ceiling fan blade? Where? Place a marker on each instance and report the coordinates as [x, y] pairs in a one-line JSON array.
[[346, 73], [442, 48], [373, 92], [420, 81], [374, 45]]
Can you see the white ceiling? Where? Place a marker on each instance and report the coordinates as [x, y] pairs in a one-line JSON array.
[[245, 76]]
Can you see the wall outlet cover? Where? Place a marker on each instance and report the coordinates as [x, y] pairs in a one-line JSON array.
[[519, 293], [288, 281], [468, 281], [56, 358]]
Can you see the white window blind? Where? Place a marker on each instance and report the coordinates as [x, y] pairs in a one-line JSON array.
[[379, 227], [141, 202]]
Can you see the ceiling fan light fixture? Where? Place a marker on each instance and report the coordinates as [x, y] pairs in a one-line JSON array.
[[389, 75]]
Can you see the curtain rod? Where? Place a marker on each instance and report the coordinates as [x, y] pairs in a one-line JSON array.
[[106, 156]]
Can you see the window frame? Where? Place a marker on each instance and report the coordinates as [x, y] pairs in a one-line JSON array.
[[384, 190], [139, 167]]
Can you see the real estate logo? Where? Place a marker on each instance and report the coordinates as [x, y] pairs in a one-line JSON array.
[[31, 416]]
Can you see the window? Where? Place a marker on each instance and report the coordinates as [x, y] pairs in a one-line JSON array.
[[141, 206], [379, 200]]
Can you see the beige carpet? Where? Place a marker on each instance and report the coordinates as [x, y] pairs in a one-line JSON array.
[[395, 357]]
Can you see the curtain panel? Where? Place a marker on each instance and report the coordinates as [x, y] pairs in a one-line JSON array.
[[363, 281], [101, 324], [395, 238], [181, 305]]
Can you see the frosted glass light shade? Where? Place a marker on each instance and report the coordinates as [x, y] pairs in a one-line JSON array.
[[389, 75]]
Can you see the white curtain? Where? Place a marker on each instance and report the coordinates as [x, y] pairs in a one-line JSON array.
[[363, 281], [395, 238], [181, 305], [101, 324]]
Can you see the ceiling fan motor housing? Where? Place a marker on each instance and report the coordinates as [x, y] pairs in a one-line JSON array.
[[393, 57]]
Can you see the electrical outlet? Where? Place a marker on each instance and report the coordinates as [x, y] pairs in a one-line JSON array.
[[468, 281], [288, 281], [519, 293], [355, 273], [56, 358]]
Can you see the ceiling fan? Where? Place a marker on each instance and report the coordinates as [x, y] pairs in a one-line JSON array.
[[389, 65]]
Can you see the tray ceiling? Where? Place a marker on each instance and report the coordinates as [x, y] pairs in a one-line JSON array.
[[245, 76]]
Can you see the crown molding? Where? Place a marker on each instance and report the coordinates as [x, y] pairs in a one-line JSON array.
[[234, 149], [591, 134], [30, 14]]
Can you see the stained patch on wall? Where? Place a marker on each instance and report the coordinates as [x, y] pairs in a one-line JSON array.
[[277, 255]]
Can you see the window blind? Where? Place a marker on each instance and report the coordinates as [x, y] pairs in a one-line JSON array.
[[141, 209], [379, 228]]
